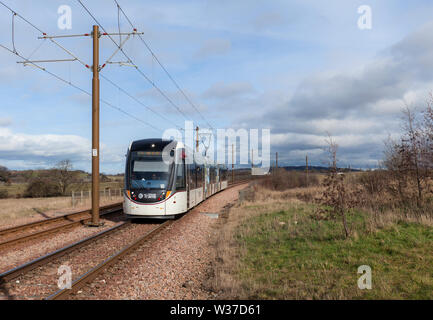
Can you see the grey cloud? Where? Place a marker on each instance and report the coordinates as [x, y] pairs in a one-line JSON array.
[[390, 76], [5, 122], [360, 107]]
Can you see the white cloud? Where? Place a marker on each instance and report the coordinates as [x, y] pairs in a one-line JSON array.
[[25, 151], [20, 146]]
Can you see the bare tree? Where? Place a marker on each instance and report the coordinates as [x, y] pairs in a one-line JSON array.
[[331, 150], [393, 162], [411, 147], [409, 160], [64, 175], [428, 137]]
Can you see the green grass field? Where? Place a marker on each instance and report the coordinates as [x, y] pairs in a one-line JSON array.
[[287, 254]]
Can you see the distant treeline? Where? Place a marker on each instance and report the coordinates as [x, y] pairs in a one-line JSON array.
[[57, 181]]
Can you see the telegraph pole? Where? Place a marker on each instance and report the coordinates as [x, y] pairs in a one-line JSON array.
[[95, 129], [306, 166], [276, 160], [95, 68]]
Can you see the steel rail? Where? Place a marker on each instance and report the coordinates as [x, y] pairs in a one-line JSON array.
[[26, 267], [67, 216], [115, 207], [94, 272], [55, 229]]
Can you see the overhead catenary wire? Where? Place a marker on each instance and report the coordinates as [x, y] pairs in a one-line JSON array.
[[106, 78], [112, 82], [163, 67], [129, 59], [27, 61], [36, 49], [137, 100]]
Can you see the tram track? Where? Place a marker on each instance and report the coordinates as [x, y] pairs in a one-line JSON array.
[[87, 277], [26, 267], [39, 229], [94, 272]]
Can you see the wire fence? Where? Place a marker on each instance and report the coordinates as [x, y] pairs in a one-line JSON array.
[[81, 196]]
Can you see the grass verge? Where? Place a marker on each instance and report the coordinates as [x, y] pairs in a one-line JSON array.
[[278, 250]]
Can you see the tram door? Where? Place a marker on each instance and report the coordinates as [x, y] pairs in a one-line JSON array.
[[182, 185], [188, 183], [206, 182]]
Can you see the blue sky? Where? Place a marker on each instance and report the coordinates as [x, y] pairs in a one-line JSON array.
[[300, 68]]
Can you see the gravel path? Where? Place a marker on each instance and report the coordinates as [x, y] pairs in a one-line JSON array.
[[175, 264]]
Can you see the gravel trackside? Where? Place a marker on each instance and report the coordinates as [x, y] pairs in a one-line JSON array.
[[42, 281], [174, 264], [26, 251]]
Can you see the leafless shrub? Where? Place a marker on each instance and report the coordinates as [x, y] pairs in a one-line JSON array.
[[337, 199], [42, 187], [374, 181], [281, 179], [4, 194]]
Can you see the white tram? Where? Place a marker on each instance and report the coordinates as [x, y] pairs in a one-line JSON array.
[[157, 188]]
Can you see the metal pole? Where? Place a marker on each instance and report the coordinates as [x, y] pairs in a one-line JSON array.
[[252, 158], [196, 139], [306, 165], [95, 128], [233, 164], [276, 160]]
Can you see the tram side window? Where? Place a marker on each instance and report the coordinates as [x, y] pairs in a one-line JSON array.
[[212, 175], [192, 179], [180, 177], [199, 176]]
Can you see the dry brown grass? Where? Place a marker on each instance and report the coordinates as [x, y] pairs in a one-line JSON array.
[[17, 211], [281, 179]]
